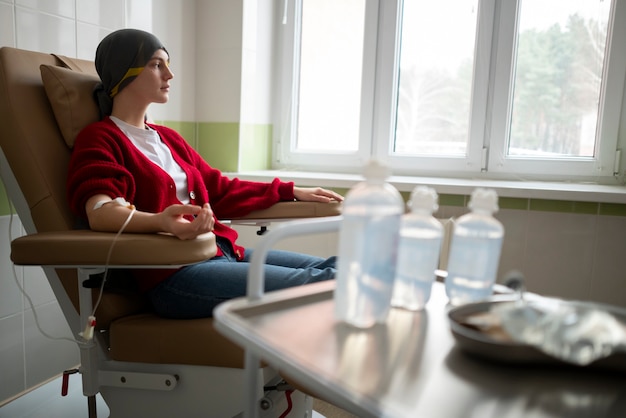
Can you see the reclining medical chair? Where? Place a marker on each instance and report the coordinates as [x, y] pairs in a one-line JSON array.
[[141, 364]]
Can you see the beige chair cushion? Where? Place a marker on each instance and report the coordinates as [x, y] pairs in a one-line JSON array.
[[70, 95], [147, 338]]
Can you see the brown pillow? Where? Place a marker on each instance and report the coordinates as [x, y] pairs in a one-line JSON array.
[[70, 95]]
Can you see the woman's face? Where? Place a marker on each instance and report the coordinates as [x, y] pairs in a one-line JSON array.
[[152, 84]]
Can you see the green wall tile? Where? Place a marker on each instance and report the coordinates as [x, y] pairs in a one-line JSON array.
[[513, 203], [186, 129], [612, 209], [341, 191], [5, 209], [546, 205], [451, 200], [255, 144], [218, 143], [589, 208]]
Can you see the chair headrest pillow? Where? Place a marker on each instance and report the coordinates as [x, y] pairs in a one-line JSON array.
[[70, 94]]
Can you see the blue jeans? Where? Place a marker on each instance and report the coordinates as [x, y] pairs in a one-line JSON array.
[[193, 291]]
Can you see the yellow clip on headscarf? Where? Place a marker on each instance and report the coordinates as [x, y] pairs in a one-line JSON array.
[[132, 72]]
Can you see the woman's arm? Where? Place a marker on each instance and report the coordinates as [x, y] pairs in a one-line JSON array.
[[106, 214], [316, 194]]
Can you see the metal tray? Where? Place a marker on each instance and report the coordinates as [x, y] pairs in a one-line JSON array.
[[494, 345]]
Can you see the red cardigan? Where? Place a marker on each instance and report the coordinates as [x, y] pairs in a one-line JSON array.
[[104, 161]]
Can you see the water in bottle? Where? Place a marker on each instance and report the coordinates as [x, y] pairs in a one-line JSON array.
[[368, 241], [418, 251], [475, 250]]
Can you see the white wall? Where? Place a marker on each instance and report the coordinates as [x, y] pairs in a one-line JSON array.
[[26, 356], [233, 60]]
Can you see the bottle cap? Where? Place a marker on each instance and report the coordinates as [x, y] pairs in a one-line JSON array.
[[376, 171], [484, 199], [423, 197]]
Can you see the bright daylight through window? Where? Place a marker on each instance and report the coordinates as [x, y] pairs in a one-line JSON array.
[[436, 71], [530, 87], [330, 75], [558, 75]]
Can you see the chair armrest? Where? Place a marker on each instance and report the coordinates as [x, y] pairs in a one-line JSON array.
[[85, 248], [294, 210]]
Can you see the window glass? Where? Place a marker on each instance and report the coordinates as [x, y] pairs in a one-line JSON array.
[[557, 84], [329, 84], [435, 80]]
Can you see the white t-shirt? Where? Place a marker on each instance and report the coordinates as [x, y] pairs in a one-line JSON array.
[[149, 143]]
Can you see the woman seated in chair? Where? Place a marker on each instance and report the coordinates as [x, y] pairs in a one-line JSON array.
[[123, 162]]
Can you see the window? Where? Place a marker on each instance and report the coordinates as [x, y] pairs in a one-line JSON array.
[[497, 89], [557, 78], [329, 82], [435, 78]]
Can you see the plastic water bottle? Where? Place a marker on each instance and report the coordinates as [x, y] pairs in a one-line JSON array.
[[475, 250], [418, 251], [368, 242]]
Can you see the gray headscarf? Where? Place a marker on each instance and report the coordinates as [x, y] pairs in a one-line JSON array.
[[120, 57]]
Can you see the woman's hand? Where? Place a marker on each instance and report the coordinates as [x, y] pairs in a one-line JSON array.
[[174, 221], [316, 194]]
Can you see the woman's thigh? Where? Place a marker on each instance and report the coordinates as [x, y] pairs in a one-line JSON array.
[[195, 290], [294, 260]]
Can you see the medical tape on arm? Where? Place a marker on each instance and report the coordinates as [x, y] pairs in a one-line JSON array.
[[119, 200]]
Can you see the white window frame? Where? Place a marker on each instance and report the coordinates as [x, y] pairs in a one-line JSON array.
[[490, 103], [387, 97], [611, 95], [285, 154]]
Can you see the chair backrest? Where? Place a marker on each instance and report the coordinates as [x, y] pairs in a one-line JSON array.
[[32, 142], [45, 100]]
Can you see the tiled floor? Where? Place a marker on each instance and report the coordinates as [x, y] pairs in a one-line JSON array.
[[47, 402]]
